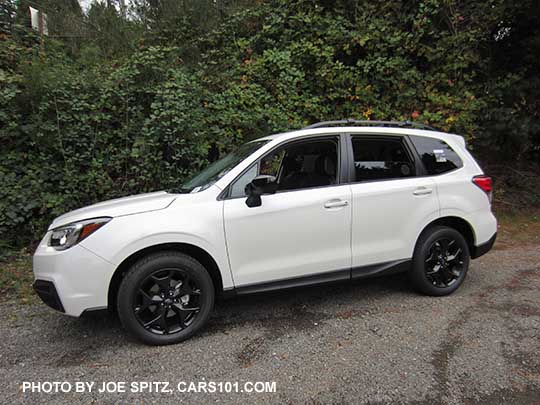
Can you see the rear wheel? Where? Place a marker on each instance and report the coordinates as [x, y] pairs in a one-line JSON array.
[[165, 298], [440, 262]]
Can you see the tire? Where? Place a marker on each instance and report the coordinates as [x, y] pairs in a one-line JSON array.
[[436, 271], [169, 292]]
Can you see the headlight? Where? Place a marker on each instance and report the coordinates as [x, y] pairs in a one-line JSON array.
[[66, 236]]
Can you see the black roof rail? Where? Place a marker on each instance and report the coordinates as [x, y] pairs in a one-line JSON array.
[[368, 123]]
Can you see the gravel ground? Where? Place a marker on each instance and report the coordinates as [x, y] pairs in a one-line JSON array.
[[372, 341]]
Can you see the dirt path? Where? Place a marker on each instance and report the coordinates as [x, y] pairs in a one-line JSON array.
[[372, 341]]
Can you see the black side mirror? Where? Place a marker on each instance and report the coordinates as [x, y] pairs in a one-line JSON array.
[[260, 185]]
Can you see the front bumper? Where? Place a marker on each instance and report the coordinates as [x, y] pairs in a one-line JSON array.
[[48, 294], [73, 280]]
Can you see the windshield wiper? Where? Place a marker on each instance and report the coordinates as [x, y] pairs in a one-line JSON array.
[[179, 190]]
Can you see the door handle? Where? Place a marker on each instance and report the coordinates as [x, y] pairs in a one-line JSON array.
[[336, 203], [422, 191]]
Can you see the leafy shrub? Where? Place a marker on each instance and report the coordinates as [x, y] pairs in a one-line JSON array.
[[76, 130], [71, 138]]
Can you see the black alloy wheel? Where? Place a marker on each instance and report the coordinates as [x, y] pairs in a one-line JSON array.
[[165, 298], [444, 263], [440, 261], [167, 301]]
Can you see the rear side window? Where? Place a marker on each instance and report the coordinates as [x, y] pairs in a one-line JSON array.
[[436, 155], [380, 159]]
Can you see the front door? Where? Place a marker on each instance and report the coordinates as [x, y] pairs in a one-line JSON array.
[[304, 229]]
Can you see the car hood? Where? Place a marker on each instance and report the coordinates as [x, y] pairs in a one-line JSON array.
[[118, 207]]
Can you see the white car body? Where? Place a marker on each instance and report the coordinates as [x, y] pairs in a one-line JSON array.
[[297, 237]]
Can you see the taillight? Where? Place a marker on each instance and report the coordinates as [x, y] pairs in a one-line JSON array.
[[484, 182]]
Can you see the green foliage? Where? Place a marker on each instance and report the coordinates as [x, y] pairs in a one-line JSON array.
[[71, 138], [136, 104]]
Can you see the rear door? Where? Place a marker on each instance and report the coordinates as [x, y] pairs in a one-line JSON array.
[[392, 201]]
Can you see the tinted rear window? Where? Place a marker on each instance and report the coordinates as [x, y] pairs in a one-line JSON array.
[[380, 159], [436, 155]]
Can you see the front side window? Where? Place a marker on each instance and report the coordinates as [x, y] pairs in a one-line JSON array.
[[380, 159], [297, 165], [436, 155], [220, 168]]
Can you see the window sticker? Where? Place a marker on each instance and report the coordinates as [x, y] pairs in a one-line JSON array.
[[439, 155]]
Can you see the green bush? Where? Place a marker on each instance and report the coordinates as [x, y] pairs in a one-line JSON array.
[[72, 137], [76, 128]]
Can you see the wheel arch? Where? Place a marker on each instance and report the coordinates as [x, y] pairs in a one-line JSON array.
[[194, 251], [457, 223]]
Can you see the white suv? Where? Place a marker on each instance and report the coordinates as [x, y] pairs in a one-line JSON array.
[[322, 204]]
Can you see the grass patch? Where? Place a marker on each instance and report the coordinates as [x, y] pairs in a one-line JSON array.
[[518, 228], [16, 277]]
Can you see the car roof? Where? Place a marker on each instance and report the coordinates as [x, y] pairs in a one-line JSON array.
[[369, 130]]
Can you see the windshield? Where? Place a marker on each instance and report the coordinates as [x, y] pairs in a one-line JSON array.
[[218, 169]]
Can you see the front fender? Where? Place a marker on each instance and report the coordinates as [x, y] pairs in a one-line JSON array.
[[124, 236]]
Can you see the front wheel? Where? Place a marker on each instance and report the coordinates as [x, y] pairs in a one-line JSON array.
[[165, 298], [440, 262]]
